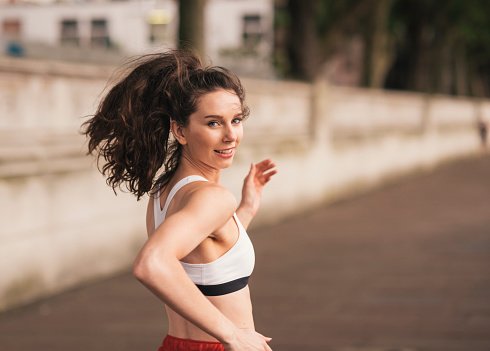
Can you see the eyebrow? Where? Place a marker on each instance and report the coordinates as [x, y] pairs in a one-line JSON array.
[[218, 116]]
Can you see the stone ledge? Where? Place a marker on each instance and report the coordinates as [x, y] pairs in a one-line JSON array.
[[28, 153], [55, 68]]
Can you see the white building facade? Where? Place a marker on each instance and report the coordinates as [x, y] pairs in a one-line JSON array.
[[238, 33]]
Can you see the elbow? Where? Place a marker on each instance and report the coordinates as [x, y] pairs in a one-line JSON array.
[[139, 271], [142, 268], [148, 268]]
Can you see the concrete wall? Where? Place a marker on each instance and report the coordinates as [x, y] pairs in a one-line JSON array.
[[61, 225], [53, 204], [42, 24]]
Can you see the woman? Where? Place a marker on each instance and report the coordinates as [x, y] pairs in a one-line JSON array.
[[171, 111]]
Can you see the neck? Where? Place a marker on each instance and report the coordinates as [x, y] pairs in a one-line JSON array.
[[187, 167]]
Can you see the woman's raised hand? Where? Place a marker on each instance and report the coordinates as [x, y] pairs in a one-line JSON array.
[[248, 340], [258, 176]]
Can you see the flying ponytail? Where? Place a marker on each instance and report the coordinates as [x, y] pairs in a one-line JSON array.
[[131, 127]]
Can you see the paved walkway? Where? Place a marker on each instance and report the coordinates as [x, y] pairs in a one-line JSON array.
[[402, 268]]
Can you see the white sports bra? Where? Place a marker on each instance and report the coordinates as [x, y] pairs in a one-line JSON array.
[[229, 272]]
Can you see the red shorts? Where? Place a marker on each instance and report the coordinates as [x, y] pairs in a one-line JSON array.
[[171, 343]]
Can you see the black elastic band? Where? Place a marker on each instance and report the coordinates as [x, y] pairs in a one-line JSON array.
[[225, 288]]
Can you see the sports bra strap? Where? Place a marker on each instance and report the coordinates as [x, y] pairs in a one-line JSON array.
[[176, 187]]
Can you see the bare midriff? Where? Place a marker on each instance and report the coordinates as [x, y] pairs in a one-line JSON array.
[[236, 306]]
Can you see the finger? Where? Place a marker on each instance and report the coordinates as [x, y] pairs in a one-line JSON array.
[[265, 337], [269, 175], [264, 164], [266, 171], [270, 169], [269, 172], [265, 161], [265, 177], [267, 340], [269, 165]]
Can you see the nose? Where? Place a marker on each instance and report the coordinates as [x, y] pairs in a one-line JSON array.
[[230, 134]]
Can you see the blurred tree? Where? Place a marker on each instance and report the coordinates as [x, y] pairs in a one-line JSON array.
[[302, 44], [421, 45], [191, 25], [316, 30], [441, 47], [379, 44], [475, 31]]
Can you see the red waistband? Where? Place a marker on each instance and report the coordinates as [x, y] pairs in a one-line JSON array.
[[172, 343]]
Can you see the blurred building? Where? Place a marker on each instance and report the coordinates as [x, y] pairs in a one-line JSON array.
[[238, 33]]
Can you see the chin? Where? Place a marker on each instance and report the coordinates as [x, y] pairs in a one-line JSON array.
[[222, 163], [227, 164]]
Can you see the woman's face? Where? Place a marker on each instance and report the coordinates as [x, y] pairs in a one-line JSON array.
[[215, 130]]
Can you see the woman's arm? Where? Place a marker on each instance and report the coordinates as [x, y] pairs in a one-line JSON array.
[[157, 265], [258, 176]]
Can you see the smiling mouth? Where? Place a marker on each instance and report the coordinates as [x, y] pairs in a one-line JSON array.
[[224, 152]]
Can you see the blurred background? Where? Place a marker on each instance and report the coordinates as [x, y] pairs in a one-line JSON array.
[[376, 112], [421, 46]]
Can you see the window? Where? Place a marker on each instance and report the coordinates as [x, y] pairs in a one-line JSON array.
[[252, 31], [158, 33], [99, 35], [11, 31], [11, 28], [69, 32], [158, 20]]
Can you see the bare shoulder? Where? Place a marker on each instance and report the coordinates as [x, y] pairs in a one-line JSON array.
[[202, 209], [210, 195]]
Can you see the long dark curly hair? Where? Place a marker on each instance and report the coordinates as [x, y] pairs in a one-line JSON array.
[[131, 128]]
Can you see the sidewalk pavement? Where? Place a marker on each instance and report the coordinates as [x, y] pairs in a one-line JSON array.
[[406, 267]]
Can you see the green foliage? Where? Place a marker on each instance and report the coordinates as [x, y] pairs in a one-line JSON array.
[[436, 46], [431, 29], [330, 12]]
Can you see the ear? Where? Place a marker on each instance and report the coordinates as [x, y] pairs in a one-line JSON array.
[[178, 132]]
